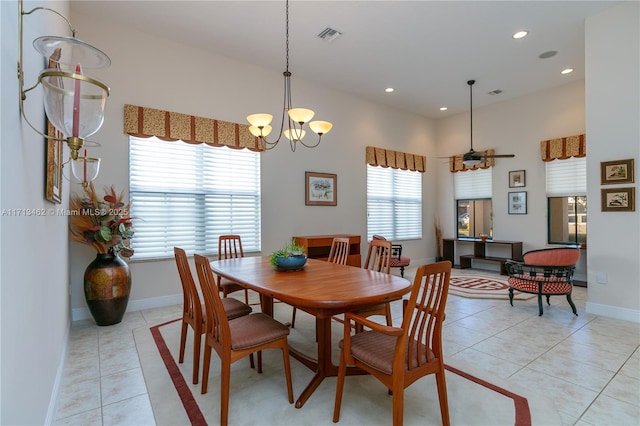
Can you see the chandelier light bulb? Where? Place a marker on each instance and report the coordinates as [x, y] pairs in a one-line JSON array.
[[301, 115], [294, 134], [320, 127], [260, 120]]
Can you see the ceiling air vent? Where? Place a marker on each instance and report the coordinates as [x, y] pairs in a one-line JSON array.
[[329, 34], [495, 92]]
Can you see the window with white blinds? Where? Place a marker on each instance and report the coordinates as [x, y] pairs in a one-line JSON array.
[[394, 203], [473, 185], [186, 195], [567, 177]]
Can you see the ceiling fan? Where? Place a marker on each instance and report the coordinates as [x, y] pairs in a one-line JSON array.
[[472, 157]]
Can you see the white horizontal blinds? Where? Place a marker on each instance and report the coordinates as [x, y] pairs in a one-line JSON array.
[[474, 184], [567, 177], [394, 203], [187, 195]]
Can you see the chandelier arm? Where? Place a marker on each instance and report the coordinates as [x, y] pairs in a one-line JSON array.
[[314, 145], [73, 30]]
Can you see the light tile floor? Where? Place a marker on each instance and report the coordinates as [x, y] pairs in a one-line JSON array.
[[589, 365]]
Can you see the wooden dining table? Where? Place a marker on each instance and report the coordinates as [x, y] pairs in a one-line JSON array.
[[322, 289]]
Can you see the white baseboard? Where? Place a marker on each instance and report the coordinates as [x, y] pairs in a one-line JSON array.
[[134, 305], [613, 312], [50, 419]]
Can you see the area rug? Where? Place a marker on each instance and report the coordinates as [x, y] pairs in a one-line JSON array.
[[479, 285], [260, 399]]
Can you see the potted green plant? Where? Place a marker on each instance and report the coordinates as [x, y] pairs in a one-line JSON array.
[[104, 224], [290, 256]]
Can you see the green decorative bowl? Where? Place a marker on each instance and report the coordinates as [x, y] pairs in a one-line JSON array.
[[291, 263]]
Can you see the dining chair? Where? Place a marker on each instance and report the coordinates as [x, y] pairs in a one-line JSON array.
[[339, 254], [378, 259], [192, 310], [397, 259], [399, 356], [230, 247], [237, 338]]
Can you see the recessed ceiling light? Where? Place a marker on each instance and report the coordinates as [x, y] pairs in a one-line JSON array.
[[520, 34], [389, 89], [566, 71], [443, 108]]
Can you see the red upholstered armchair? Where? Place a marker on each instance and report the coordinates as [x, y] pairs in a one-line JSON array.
[[547, 272], [397, 259]]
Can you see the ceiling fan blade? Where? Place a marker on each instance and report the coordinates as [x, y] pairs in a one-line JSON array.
[[498, 156]]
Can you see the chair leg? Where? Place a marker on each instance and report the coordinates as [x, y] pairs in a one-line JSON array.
[[287, 370], [293, 318], [540, 304], [548, 301], [573, 307], [197, 338], [342, 371], [205, 368], [246, 296], [251, 363], [511, 295], [398, 405], [402, 271], [442, 396], [388, 315], [259, 362], [225, 382], [183, 341]]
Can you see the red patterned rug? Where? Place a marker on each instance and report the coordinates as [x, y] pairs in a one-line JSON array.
[[483, 287]]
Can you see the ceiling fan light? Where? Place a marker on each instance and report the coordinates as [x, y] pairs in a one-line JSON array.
[[320, 127], [471, 161], [259, 120], [301, 115]]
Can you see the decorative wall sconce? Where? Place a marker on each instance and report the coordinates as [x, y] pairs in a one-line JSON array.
[[74, 103]]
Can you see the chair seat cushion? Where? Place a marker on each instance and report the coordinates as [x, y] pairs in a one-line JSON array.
[[377, 350], [550, 285], [403, 261], [255, 329], [235, 308]]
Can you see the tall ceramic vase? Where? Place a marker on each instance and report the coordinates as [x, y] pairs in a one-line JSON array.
[[107, 284]]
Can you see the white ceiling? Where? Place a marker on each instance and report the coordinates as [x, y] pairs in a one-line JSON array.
[[426, 50]]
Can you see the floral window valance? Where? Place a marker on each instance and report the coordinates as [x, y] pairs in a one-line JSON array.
[[456, 164], [563, 148], [396, 159], [171, 126]]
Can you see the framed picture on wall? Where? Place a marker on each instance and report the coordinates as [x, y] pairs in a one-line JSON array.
[[618, 199], [518, 202], [517, 179], [613, 172], [321, 189]]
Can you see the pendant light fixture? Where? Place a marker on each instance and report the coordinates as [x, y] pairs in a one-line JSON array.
[[296, 118]]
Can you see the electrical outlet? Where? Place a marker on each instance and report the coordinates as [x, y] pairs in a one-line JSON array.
[[601, 277]]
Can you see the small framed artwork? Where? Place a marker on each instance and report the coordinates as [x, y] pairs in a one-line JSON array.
[[321, 189], [618, 199], [614, 172], [518, 202], [517, 179], [53, 180]]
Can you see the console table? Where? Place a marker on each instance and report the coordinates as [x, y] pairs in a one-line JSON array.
[[319, 246], [480, 251]]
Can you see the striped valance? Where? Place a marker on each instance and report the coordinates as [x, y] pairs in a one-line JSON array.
[[396, 160], [563, 148], [456, 165], [171, 126]]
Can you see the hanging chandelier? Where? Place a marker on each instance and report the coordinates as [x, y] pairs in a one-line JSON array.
[[296, 117]]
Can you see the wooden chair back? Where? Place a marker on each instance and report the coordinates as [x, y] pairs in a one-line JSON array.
[[191, 311], [229, 247], [379, 256], [339, 251], [216, 323]]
